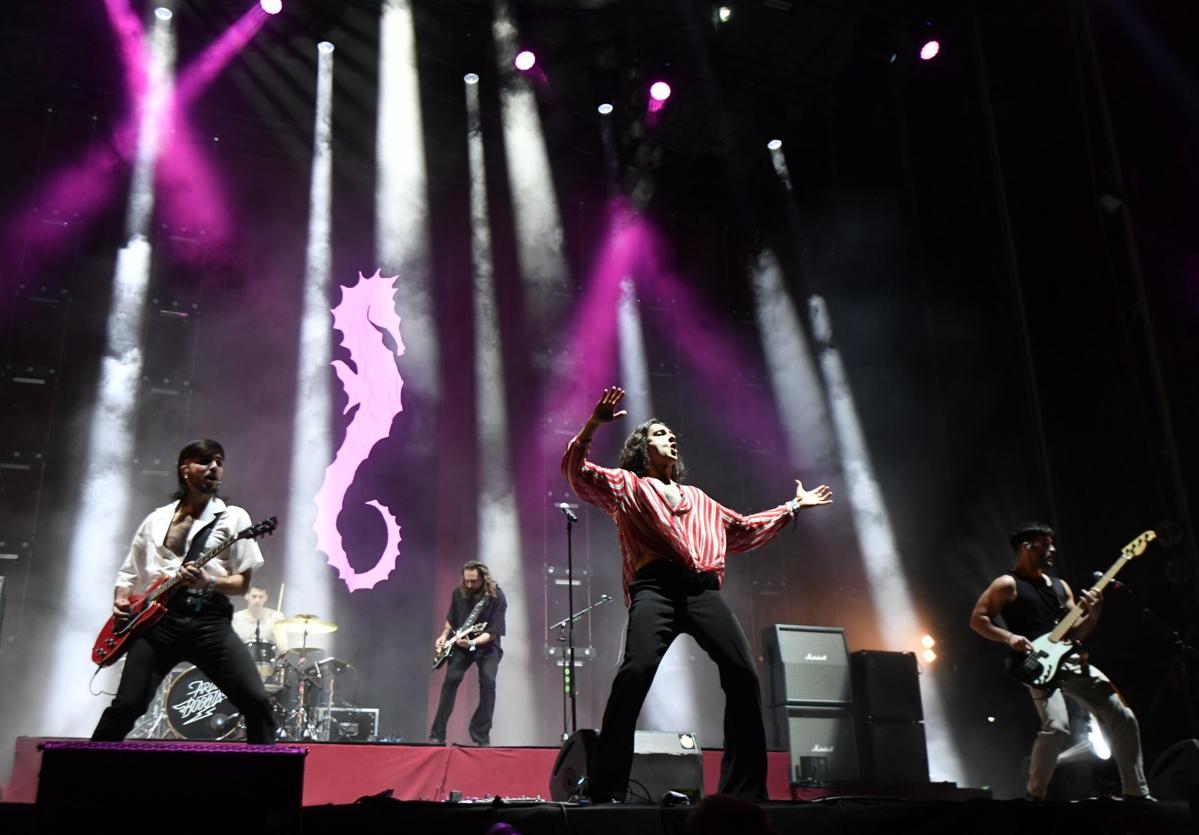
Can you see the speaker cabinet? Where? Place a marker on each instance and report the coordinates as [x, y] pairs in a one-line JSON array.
[[662, 761], [886, 686], [666, 761], [1175, 773], [203, 787], [573, 764], [807, 665], [821, 742], [893, 753]]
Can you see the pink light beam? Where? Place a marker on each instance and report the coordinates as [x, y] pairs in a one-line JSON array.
[[374, 385]]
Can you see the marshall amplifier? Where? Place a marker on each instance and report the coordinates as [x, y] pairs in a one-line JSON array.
[[821, 742], [807, 665]]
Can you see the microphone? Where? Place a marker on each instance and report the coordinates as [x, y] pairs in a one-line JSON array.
[[604, 598], [567, 511], [1115, 584]]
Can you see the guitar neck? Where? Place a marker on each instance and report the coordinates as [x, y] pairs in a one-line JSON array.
[[1072, 617]]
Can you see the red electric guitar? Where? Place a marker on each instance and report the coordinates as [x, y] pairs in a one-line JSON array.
[[148, 608]]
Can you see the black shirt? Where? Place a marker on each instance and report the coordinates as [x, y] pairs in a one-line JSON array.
[[492, 614], [1037, 607]]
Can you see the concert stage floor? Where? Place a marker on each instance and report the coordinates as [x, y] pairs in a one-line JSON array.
[[344, 786]]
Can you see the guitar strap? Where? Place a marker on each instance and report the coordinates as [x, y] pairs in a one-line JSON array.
[[197, 546], [196, 601]]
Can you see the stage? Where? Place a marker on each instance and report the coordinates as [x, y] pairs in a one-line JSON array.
[[414, 788]]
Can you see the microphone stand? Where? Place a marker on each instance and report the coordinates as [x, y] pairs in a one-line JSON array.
[[565, 629]]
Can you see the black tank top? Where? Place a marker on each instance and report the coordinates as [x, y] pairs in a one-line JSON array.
[[1037, 607]]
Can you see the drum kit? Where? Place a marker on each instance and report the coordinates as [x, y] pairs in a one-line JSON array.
[[301, 683]]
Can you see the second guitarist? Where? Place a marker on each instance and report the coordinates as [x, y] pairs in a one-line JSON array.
[[1027, 602], [483, 649]]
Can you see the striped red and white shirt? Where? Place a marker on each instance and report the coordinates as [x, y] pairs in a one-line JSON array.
[[697, 534]]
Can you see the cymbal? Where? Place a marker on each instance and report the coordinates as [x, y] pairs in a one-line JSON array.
[[307, 623]]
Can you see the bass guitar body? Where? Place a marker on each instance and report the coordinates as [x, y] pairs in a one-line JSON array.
[[1039, 667]]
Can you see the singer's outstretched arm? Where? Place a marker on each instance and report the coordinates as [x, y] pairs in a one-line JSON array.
[[594, 484]]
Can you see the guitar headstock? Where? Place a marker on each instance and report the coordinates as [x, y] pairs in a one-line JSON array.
[[1138, 545], [266, 526]]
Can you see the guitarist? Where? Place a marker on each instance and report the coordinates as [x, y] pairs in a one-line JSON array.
[[196, 627], [483, 649], [1029, 602]]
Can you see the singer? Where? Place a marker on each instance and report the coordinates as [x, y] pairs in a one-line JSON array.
[[196, 627], [1028, 602], [673, 541]]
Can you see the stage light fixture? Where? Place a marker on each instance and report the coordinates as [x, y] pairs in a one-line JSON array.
[[659, 91], [774, 144], [604, 109], [929, 656], [927, 642], [325, 47], [163, 13], [930, 50], [525, 60], [271, 6], [724, 14], [471, 78]]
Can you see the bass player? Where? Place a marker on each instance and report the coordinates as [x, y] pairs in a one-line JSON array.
[[1028, 602]]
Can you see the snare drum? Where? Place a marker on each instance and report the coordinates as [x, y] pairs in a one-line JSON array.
[[263, 653], [197, 709]]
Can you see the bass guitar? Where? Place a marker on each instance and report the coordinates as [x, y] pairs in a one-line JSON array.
[[149, 607], [1037, 668]]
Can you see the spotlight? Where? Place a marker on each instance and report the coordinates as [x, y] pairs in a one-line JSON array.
[[471, 78], [991, 720], [659, 91], [929, 656], [525, 60], [930, 50], [163, 13], [927, 642], [325, 47], [604, 109], [271, 6], [723, 14], [774, 144]]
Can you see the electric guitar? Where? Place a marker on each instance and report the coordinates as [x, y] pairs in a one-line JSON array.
[[149, 607], [443, 655], [1037, 668]]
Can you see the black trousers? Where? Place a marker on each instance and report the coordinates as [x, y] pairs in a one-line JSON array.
[[668, 599], [480, 723], [205, 639]]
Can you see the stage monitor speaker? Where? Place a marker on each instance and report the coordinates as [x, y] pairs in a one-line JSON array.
[[893, 753], [807, 665], [886, 685], [666, 761], [662, 761], [1175, 773], [189, 787], [572, 765], [821, 742]]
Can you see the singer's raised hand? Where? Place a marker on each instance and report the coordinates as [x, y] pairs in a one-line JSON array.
[[605, 407]]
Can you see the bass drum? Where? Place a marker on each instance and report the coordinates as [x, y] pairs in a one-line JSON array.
[[197, 709]]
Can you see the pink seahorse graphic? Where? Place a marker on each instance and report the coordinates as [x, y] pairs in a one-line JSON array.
[[366, 311]]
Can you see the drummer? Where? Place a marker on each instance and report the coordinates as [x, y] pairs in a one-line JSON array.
[[258, 623]]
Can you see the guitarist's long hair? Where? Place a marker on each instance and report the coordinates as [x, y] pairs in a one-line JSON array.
[[484, 575]]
